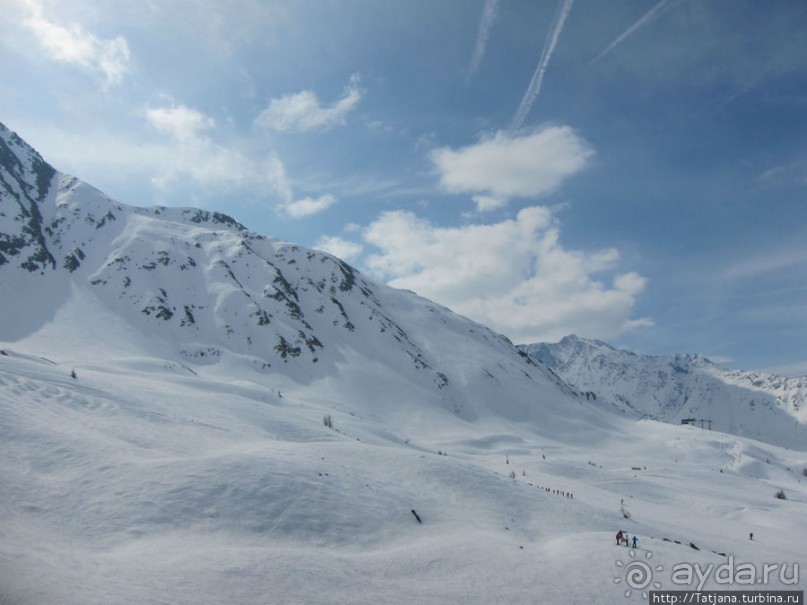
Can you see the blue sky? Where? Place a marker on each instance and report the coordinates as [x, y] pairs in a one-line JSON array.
[[633, 171]]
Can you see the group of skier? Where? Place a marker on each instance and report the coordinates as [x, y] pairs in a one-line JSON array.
[[622, 538], [557, 492]]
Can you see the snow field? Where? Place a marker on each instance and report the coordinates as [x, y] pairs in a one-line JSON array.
[[155, 486]]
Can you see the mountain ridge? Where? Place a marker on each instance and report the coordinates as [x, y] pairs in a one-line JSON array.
[[674, 388], [201, 287]]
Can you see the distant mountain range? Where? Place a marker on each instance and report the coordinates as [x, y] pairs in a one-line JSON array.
[[677, 388]]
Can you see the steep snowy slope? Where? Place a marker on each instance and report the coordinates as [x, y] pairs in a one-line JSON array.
[[673, 388], [197, 288]]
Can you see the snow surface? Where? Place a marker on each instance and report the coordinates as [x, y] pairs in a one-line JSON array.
[[188, 460], [139, 482]]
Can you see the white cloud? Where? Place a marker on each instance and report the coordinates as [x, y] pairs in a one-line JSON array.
[[506, 166], [188, 156], [487, 203], [303, 111], [513, 276], [276, 174], [72, 45], [339, 247], [631, 283], [185, 163], [181, 121], [309, 206], [192, 153], [379, 127], [765, 264]]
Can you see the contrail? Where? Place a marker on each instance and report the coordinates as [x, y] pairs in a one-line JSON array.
[[485, 23], [643, 20], [534, 88]]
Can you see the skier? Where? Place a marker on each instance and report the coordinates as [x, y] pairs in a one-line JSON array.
[[619, 538], [634, 541]]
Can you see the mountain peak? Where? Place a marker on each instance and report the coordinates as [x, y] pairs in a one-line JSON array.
[[25, 182], [577, 341]]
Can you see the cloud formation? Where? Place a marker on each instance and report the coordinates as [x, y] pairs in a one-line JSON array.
[[505, 166], [309, 206], [72, 45], [488, 203], [303, 111], [534, 89], [764, 264], [339, 247], [181, 122], [192, 153], [513, 276], [188, 156]]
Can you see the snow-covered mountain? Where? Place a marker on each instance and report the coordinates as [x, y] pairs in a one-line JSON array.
[[673, 388], [196, 288], [193, 413]]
